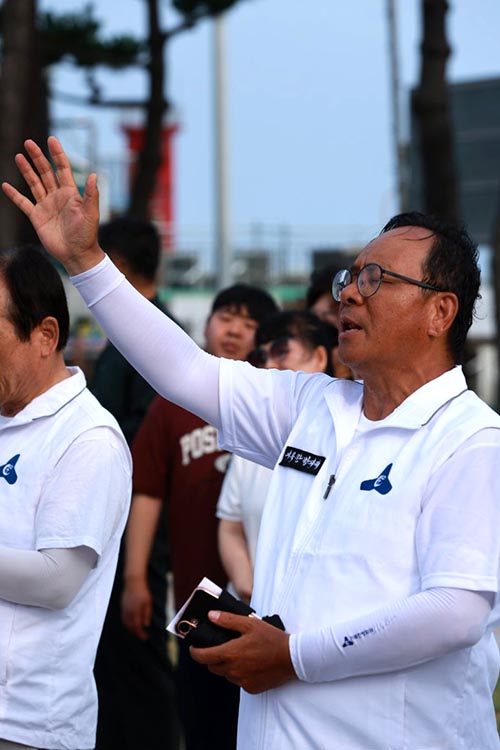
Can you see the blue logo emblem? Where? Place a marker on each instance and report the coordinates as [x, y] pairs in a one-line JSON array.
[[8, 472], [381, 483]]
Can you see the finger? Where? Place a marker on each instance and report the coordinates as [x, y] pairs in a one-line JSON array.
[[219, 669], [141, 634], [30, 177], [44, 172], [239, 623], [61, 161], [19, 200], [138, 626], [212, 655]]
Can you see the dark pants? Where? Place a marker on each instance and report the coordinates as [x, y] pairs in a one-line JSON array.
[[207, 704]]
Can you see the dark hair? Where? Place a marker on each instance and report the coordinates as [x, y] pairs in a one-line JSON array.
[[258, 303], [452, 265], [320, 283], [36, 291], [300, 324], [135, 240]]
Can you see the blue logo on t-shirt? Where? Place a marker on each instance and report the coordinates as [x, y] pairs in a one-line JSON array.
[[8, 472], [381, 483]]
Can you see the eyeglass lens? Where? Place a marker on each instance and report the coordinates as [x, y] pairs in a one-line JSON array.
[[368, 281]]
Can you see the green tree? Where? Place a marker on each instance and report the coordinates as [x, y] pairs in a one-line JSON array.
[[33, 43]]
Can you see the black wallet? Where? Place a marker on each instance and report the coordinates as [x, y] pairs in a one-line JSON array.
[[196, 629]]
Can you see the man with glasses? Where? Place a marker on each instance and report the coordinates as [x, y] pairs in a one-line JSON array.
[[379, 545]]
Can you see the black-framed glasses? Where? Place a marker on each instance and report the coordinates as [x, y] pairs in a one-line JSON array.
[[277, 349], [369, 279]]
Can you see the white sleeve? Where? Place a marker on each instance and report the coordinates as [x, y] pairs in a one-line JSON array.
[[457, 541], [229, 502], [409, 632], [48, 578], [159, 349], [85, 499]]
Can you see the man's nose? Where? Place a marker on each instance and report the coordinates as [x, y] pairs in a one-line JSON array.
[[350, 294]]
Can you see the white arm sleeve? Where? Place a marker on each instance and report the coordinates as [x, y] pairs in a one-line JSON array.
[[49, 578], [409, 632], [159, 349]]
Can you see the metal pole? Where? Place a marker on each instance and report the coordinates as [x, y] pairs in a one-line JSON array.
[[222, 232], [395, 91]]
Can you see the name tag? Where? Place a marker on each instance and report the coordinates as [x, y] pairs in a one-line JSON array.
[[296, 458]]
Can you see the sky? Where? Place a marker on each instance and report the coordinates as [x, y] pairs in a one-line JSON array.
[[309, 113]]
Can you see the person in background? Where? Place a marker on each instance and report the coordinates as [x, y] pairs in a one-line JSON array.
[[287, 340], [320, 301], [134, 247], [134, 675], [65, 485], [319, 295], [179, 466]]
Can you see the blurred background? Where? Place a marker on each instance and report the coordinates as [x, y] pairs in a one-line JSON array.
[[265, 138]]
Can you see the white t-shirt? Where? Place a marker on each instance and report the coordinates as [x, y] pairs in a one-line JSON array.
[[65, 481], [410, 509], [242, 497]]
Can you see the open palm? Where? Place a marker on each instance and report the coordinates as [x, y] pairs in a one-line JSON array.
[[65, 222]]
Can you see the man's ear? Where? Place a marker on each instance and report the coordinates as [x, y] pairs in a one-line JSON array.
[[47, 333], [444, 312]]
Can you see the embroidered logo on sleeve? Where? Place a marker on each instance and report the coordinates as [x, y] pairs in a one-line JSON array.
[[295, 458], [381, 484], [349, 639], [8, 472]]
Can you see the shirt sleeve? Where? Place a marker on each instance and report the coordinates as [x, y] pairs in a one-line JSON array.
[[85, 500], [151, 451], [457, 539], [229, 502]]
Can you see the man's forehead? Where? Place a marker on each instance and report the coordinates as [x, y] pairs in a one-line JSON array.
[[400, 242]]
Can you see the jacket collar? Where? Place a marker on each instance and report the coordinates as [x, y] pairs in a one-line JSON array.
[[415, 411]]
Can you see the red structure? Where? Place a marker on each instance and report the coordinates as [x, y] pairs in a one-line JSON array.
[[162, 203]]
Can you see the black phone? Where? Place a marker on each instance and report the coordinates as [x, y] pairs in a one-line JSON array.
[[196, 611], [192, 623]]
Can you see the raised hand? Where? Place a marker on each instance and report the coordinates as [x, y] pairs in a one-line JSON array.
[[66, 222]]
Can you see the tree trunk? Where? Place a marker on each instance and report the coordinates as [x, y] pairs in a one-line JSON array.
[[430, 104], [495, 275], [20, 96], [150, 155]]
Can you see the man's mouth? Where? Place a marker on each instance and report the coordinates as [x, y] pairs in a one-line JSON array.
[[348, 325]]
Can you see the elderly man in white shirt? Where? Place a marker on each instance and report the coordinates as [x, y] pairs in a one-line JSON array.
[[379, 545], [64, 495]]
